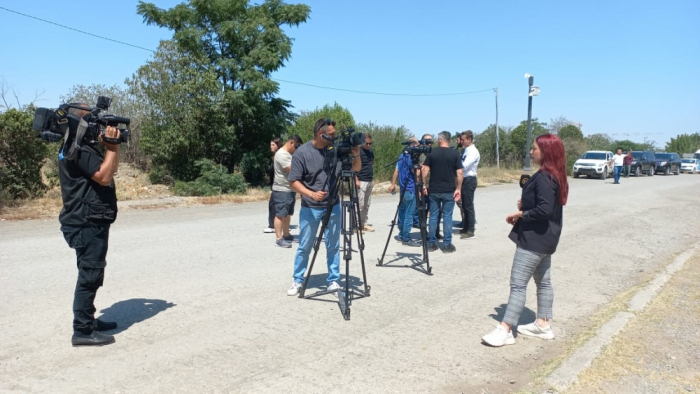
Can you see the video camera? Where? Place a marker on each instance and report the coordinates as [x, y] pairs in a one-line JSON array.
[[344, 143], [423, 147], [54, 125]]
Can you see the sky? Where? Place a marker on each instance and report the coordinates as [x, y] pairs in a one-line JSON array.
[[629, 69]]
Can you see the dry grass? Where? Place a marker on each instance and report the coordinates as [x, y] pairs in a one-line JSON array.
[[492, 175]]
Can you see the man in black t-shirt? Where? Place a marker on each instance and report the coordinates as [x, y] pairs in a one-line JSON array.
[[363, 181], [89, 208], [444, 167]]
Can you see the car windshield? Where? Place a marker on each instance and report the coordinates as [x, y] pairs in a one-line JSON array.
[[637, 155], [593, 156], [688, 160], [662, 156]]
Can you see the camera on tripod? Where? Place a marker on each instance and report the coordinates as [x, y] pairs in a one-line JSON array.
[[423, 147], [54, 125], [348, 139]]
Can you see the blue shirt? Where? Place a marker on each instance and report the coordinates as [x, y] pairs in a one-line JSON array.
[[407, 181]]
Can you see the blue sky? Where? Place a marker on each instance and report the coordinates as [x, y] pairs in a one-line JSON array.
[[630, 69]]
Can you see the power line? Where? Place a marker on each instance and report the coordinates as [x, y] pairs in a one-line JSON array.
[[275, 79]]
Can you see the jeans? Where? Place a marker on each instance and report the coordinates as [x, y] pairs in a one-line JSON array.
[[408, 206], [309, 221], [447, 203], [626, 172], [617, 170]]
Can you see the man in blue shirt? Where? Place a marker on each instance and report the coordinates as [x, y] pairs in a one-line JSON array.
[[407, 183]]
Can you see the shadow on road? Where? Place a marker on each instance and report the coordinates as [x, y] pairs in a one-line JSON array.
[[527, 317], [129, 312]]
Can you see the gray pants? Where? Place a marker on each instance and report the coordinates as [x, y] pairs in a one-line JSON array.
[[527, 264], [364, 195]]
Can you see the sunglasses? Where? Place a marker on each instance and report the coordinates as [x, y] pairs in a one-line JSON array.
[[328, 122], [428, 142], [368, 143]]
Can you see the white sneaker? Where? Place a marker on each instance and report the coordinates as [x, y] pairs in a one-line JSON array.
[[294, 289], [534, 330], [334, 287], [268, 230], [499, 337]]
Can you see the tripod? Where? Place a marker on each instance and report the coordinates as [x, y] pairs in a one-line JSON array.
[[416, 173], [350, 220]]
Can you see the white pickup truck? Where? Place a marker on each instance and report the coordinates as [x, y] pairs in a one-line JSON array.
[[598, 163]]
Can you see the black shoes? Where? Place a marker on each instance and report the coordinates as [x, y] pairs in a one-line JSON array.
[[449, 249], [467, 235], [411, 242], [99, 325], [432, 247], [439, 236], [93, 339]]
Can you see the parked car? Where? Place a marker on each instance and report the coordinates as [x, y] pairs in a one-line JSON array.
[[594, 163], [690, 165], [667, 163], [644, 163]]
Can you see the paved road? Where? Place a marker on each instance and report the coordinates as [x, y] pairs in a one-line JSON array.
[[199, 294]]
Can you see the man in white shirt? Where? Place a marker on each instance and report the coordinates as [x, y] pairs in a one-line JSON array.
[[470, 161], [283, 197], [619, 161]]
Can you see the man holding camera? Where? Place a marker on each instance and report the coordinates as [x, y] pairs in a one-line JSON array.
[[470, 162], [407, 185], [444, 167], [312, 177], [89, 208], [363, 182]]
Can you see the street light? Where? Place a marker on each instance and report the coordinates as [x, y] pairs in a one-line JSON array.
[[532, 91]]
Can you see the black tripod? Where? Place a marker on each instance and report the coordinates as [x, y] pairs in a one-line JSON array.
[[350, 220], [422, 218]]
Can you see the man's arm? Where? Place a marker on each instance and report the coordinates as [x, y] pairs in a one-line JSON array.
[[109, 166], [393, 180], [458, 191], [356, 162]]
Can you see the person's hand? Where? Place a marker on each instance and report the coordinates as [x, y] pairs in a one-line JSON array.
[[392, 188], [111, 132], [319, 195], [520, 205], [457, 195], [357, 183], [514, 217], [356, 150]]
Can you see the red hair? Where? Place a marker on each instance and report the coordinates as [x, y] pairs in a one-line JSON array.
[[554, 162]]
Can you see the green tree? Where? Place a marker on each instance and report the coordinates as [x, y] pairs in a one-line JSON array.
[[518, 138], [570, 131], [242, 45], [21, 154], [599, 141], [684, 143], [486, 143], [303, 126]]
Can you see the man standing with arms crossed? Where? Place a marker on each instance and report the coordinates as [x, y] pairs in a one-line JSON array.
[[363, 181], [444, 168], [470, 161]]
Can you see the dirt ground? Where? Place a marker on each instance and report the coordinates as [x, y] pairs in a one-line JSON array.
[[199, 293], [658, 351]]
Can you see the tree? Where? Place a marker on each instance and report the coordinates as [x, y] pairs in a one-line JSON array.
[[486, 143], [570, 131], [518, 138], [242, 45], [599, 141], [386, 144], [21, 154], [303, 126], [557, 124], [684, 143]]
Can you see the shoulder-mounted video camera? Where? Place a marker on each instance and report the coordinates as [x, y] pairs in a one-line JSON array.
[[54, 125]]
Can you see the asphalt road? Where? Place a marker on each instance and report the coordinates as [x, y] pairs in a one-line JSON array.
[[200, 297]]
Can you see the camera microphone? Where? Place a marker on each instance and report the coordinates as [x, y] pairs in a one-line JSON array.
[[327, 137]]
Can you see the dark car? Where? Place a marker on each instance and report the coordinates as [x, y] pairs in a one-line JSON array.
[[644, 163], [667, 163]]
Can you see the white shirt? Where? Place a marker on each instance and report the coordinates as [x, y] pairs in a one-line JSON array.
[[619, 160], [470, 160]]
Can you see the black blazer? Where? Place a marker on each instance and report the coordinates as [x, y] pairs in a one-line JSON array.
[[540, 227]]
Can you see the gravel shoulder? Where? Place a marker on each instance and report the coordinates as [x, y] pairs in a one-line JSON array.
[[199, 293]]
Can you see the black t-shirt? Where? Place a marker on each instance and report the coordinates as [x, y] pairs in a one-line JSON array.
[[366, 174], [85, 202], [443, 163]]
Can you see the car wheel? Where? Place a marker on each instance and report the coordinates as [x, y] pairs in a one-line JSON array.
[[575, 174], [637, 172], [667, 171], [678, 170], [651, 171], [604, 174]]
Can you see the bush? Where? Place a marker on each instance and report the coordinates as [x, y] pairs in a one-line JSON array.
[[214, 180], [386, 145], [254, 167], [22, 154], [159, 175]]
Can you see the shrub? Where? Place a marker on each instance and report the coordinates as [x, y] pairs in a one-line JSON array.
[[22, 154], [214, 180]]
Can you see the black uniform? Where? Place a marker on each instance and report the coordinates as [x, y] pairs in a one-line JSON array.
[[88, 210]]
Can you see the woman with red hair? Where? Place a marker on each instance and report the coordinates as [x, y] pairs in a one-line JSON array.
[[536, 229]]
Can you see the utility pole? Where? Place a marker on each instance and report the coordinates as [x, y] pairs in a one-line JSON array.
[[498, 165], [532, 91]]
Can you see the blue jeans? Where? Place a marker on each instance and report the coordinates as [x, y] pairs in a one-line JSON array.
[[447, 202], [616, 172], [309, 220], [408, 205]]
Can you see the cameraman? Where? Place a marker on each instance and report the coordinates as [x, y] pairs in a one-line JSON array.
[[311, 176], [89, 207], [444, 167], [407, 184]]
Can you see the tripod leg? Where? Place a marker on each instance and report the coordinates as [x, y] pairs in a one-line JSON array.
[[355, 207], [391, 231], [423, 217]]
